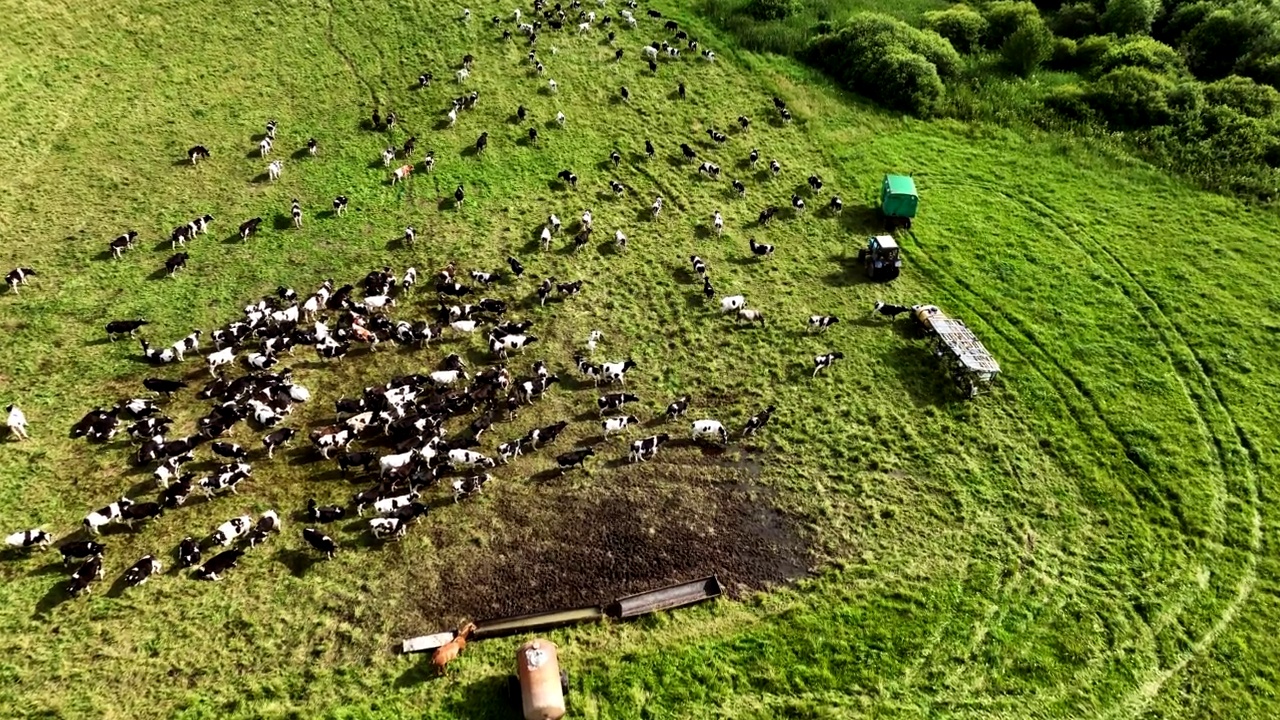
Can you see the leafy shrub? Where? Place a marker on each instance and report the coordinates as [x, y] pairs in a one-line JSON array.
[[1063, 56], [1215, 45], [888, 61], [1089, 52], [1076, 21], [1027, 47], [1132, 98], [1244, 96], [1071, 102], [1182, 20], [1005, 17], [961, 25], [1142, 52], [1129, 17], [773, 9]]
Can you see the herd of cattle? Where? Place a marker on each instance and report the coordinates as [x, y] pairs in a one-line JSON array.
[[399, 425]]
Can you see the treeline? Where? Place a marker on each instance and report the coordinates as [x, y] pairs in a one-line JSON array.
[[1192, 85]]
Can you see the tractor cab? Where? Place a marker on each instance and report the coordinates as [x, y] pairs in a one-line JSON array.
[[881, 258]]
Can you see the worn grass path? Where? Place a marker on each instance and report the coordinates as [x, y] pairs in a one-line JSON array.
[[1093, 539]]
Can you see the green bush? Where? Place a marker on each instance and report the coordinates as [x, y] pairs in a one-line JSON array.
[[1244, 96], [1215, 45], [1129, 17], [1076, 21], [1027, 47], [773, 9], [961, 25], [1063, 56], [1132, 98], [1182, 20], [1004, 18], [888, 61], [1071, 102], [1142, 52], [1089, 52]]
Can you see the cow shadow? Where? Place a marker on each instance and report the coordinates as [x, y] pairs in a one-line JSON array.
[[260, 178], [489, 698], [56, 595], [470, 151], [254, 154], [118, 587], [299, 562], [160, 273], [848, 271], [446, 203], [702, 232], [300, 153], [676, 161], [104, 255], [281, 221], [180, 162], [643, 214], [53, 568], [636, 158]]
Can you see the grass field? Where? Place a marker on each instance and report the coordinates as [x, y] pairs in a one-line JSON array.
[[1092, 539]]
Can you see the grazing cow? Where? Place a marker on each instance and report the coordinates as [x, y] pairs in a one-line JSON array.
[[176, 263], [218, 359], [760, 250], [739, 188], [553, 86], [616, 372], [750, 315], [264, 147], [586, 218], [710, 428], [169, 468], [401, 173], [836, 205], [276, 439], [197, 153], [188, 552], [569, 178], [459, 196], [16, 422], [890, 311], [324, 513], [467, 458], [649, 150], [822, 362], [122, 243], [617, 187], [227, 477], [326, 439], [732, 303], [448, 652], [617, 424], [822, 322], [647, 448], [320, 542], [312, 147], [574, 458], [429, 161], [163, 386], [592, 339], [482, 142], [231, 530], [81, 549], [775, 167], [766, 215], [228, 450], [656, 207], [717, 221], [249, 227], [274, 169], [391, 120], [786, 115], [218, 565], [469, 486], [268, 522], [699, 266], [120, 327], [84, 576], [177, 493], [718, 137], [615, 158], [797, 202], [339, 205], [757, 421], [707, 289], [96, 520], [678, 407], [141, 571], [614, 402], [688, 152], [28, 539], [754, 157]]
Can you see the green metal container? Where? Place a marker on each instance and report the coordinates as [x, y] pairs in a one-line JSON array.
[[898, 197]]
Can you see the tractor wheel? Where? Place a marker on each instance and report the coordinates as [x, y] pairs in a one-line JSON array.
[[862, 255]]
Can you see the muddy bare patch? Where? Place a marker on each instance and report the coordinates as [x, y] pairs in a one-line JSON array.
[[579, 541]]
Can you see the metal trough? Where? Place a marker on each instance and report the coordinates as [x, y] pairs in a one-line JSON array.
[[535, 622], [425, 643], [672, 596]]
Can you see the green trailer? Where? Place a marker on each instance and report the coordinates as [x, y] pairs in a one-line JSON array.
[[898, 200]]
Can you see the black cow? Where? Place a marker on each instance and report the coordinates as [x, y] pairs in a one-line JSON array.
[[218, 565], [574, 458], [320, 542]]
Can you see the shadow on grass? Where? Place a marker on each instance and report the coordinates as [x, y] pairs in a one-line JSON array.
[[56, 595], [299, 562], [488, 698]]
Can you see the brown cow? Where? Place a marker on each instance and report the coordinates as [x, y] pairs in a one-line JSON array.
[[446, 653]]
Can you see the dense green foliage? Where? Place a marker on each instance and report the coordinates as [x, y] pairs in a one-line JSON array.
[[773, 9], [1028, 47], [888, 60], [961, 25]]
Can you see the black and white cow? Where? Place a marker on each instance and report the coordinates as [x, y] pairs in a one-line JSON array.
[[469, 486], [890, 311], [574, 458], [276, 439], [617, 424], [614, 402], [96, 520], [197, 153], [188, 552], [820, 323], [141, 571], [647, 448], [84, 576], [757, 421], [123, 243], [219, 565], [268, 523], [320, 542], [317, 513], [139, 512], [250, 226], [231, 530], [18, 276], [29, 539], [227, 477], [822, 362], [116, 328]]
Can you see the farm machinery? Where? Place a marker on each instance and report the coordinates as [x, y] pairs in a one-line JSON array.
[[882, 258], [898, 201], [968, 362]]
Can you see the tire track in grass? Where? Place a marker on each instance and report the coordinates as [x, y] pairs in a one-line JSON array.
[[346, 58], [1136, 702]]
